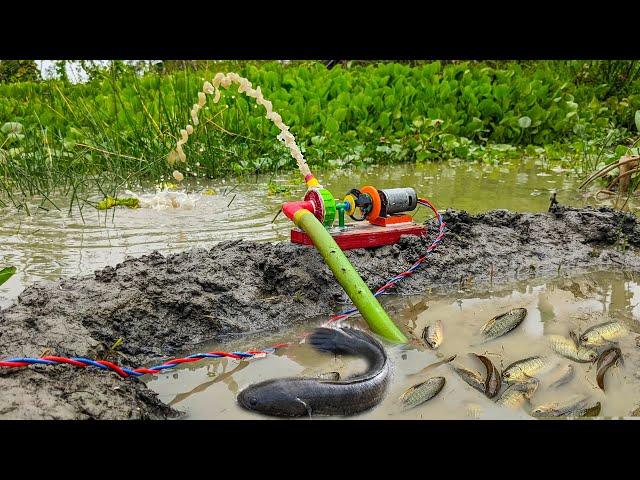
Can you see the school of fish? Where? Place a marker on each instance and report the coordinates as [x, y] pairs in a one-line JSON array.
[[516, 386]]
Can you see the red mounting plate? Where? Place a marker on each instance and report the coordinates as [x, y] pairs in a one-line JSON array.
[[364, 235]]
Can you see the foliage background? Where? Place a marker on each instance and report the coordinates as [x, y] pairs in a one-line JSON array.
[[116, 129]]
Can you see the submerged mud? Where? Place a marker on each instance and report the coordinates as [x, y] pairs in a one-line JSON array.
[[166, 305]]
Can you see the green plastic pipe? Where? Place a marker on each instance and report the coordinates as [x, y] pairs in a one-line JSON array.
[[358, 292]]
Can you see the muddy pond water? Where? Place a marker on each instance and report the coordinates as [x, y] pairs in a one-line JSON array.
[[208, 390], [52, 244]]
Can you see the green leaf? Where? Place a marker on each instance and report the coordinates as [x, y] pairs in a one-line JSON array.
[[6, 274], [340, 114], [13, 127], [620, 151], [501, 91], [332, 125], [638, 120], [384, 120], [572, 105], [524, 122]]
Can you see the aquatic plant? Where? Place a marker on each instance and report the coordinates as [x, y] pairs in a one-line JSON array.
[[110, 202], [621, 170], [115, 131], [6, 273]]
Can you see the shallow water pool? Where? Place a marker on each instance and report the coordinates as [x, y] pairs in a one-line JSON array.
[[207, 390]]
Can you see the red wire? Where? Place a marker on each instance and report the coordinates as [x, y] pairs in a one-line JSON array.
[[113, 366], [65, 360], [13, 364]]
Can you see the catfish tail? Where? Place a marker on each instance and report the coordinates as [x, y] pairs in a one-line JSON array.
[[349, 341]]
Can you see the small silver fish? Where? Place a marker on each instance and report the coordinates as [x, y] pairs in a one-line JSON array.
[[523, 370], [607, 359], [422, 392], [472, 378], [433, 334], [575, 406], [433, 365], [563, 376], [493, 380], [568, 349], [518, 393], [602, 334], [504, 323]]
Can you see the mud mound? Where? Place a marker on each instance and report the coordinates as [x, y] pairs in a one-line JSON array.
[[59, 393], [165, 305]]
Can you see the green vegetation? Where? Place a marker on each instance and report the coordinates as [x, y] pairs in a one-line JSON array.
[[6, 273], [110, 202], [18, 71], [116, 130]]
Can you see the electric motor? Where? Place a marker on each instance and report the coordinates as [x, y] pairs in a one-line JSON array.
[[396, 200]]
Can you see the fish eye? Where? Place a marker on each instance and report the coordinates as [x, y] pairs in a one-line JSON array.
[[253, 401]]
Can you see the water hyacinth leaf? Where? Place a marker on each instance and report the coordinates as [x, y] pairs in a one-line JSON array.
[[332, 125], [620, 151], [11, 127], [14, 137], [524, 122], [6, 273]]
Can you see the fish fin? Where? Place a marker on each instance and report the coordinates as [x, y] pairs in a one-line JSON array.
[[329, 376], [574, 336], [432, 366], [307, 407], [425, 333], [339, 341]]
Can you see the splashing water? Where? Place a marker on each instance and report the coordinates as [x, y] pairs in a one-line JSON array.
[[166, 199], [245, 86]]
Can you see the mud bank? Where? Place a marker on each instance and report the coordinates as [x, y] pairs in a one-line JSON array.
[[166, 305]]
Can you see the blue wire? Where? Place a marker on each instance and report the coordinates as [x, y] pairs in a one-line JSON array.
[[90, 362], [32, 360]]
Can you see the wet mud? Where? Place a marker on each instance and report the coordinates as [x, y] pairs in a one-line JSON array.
[[163, 306]]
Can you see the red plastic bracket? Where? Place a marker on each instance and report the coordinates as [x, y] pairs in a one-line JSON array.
[[364, 235]]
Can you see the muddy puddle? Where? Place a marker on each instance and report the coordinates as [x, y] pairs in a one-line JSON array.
[[208, 390]]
